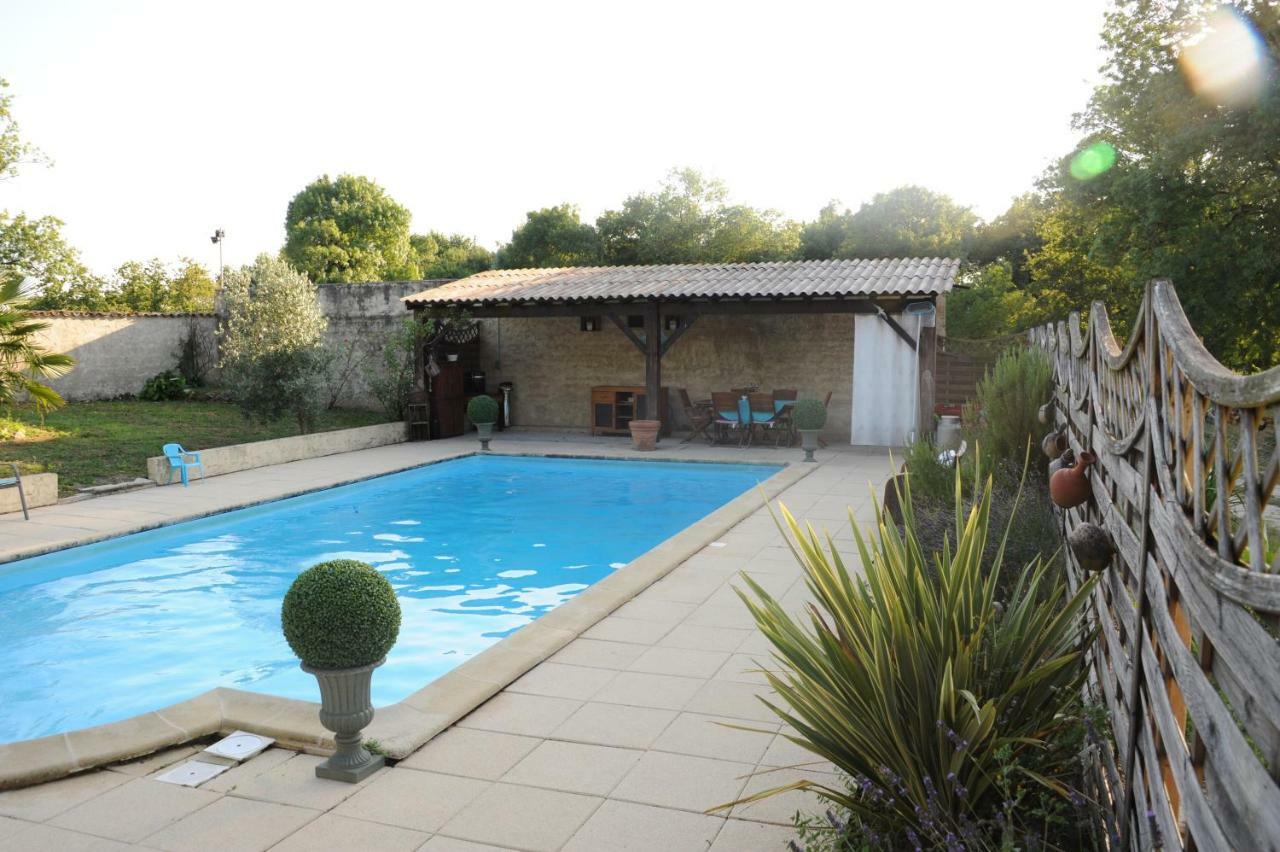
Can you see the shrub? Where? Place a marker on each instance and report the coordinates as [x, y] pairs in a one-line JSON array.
[[809, 414], [273, 360], [930, 478], [390, 374], [482, 409], [340, 614], [165, 386], [1003, 416], [938, 704]]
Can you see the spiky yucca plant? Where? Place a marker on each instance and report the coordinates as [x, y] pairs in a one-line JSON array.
[[917, 683]]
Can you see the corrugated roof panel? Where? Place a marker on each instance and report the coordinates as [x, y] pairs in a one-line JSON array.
[[779, 279]]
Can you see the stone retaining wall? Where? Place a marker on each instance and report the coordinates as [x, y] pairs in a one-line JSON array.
[[41, 489], [229, 459]]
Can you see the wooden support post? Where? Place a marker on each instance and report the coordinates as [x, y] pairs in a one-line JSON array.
[[653, 360]]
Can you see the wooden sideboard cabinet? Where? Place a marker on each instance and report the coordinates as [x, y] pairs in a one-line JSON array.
[[613, 407]]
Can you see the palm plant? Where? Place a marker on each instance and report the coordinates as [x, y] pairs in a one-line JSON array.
[[22, 362], [933, 697]]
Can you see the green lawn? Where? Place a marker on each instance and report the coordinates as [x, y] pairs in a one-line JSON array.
[[91, 443]]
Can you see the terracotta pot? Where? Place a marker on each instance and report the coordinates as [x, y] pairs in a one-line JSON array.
[[1067, 459], [644, 434], [1055, 443], [1070, 486]]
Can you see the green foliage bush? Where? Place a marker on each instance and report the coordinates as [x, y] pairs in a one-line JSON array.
[[944, 706], [389, 375], [340, 614], [809, 414], [273, 359], [483, 409], [1002, 417], [165, 386]]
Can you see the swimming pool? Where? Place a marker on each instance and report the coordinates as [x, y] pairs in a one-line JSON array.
[[475, 547]]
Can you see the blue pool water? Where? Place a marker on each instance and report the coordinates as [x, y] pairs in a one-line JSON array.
[[475, 548]]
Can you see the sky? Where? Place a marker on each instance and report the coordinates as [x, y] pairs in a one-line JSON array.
[[166, 120]]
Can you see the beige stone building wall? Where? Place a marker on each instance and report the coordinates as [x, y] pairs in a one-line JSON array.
[[554, 365]]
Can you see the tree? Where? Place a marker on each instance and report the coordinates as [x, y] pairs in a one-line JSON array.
[[34, 248], [12, 149], [1194, 192], [988, 303], [1013, 236], [151, 288], [689, 220], [348, 230], [453, 256], [23, 362], [550, 237], [909, 221], [273, 358], [822, 238]]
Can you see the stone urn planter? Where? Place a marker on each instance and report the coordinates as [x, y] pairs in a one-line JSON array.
[[644, 434], [341, 618], [483, 411], [808, 416], [1070, 486]]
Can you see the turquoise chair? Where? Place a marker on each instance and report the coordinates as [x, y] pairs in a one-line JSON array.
[[181, 461]]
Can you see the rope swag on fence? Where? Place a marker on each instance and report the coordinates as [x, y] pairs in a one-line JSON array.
[[1187, 659]]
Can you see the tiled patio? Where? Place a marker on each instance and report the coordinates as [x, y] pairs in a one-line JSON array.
[[613, 743]]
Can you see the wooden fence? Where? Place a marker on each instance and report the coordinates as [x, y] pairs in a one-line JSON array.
[[1188, 613]]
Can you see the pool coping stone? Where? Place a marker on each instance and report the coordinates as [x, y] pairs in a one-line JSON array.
[[399, 728]]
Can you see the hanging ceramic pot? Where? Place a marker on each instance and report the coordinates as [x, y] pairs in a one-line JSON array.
[[1067, 459], [1070, 486], [1055, 443], [1045, 412], [1092, 546]]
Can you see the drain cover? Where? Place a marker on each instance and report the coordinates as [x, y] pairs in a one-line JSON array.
[[193, 773], [237, 746]]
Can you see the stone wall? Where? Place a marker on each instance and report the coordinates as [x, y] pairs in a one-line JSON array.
[[40, 489], [554, 365], [116, 353]]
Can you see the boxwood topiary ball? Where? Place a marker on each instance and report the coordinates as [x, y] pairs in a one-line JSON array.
[[340, 614], [483, 409], [809, 414]]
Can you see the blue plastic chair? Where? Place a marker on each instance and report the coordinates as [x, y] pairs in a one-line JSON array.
[[181, 461]]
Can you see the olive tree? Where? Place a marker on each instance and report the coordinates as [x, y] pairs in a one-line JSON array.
[[273, 359]]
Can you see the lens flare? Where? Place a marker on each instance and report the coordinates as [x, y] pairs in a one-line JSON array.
[[1225, 62], [1092, 160]]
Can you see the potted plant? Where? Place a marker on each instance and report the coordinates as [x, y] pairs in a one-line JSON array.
[[808, 417], [483, 411], [644, 434], [341, 618]]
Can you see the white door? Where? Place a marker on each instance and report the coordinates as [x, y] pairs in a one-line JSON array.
[[884, 382]]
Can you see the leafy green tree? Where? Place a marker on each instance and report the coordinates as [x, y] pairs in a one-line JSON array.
[[35, 248], [550, 237], [1194, 194], [988, 303], [348, 230], [23, 361], [12, 149], [273, 357], [910, 221], [449, 256], [822, 238], [1013, 236], [689, 220], [151, 287]]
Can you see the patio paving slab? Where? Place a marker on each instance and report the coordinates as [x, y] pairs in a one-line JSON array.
[[257, 826], [45, 801], [522, 817], [574, 767], [134, 810], [614, 725], [409, 798], [630, 827], [330, 831], [48, 838], [486, 755]]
